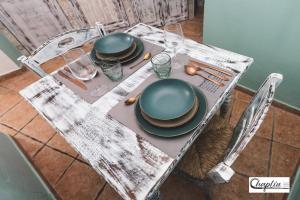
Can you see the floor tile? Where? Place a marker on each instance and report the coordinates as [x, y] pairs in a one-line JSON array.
[[52, 164], [8, 99], [177, 188], [287, 128], [19, 115], [58, 142], [109, 194], [20, 81], [39, 129], [254, 159], [237, 188], [243, 96], [6, 130], [284, 160], [30, 146], [80, 182]]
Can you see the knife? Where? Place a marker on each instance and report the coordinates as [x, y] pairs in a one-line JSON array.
[[212, 67], [75, 81]]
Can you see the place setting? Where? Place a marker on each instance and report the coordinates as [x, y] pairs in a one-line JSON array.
[[113, 58], [170, 104]]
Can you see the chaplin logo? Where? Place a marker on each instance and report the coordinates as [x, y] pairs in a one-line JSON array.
[[269, 184]]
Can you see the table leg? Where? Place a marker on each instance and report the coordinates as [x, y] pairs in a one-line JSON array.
[[225, 107], [155, 196]]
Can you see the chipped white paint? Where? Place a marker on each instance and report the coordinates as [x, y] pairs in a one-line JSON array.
[[130, 164], [246, 127]]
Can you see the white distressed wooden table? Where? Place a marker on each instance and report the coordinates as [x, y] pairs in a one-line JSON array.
[[133, 166]]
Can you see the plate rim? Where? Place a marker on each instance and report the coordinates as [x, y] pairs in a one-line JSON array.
[[156, 82], [183, 132]]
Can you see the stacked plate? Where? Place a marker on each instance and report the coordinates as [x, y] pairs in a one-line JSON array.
[[170, 107], [117, 47]]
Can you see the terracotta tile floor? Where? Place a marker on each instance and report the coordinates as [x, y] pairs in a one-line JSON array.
[[274, 151]]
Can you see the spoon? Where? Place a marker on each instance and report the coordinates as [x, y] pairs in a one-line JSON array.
[[192, 71], [211, 73], [147, 56], [131, 100]]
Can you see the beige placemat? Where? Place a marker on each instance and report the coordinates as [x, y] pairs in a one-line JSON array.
[[172, 146], [100, 85]]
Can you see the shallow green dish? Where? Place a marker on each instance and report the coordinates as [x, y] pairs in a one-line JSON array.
[[167, 99], [138, 51], [114, 44], [176, 131]]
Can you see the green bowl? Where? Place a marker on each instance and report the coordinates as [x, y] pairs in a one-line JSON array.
[[167, 99], [114, 44], [136, 54], [175, 131]]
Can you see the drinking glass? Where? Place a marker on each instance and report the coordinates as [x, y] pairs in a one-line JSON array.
[[80, 64], [162, 65], [113, 70], [174, 40]]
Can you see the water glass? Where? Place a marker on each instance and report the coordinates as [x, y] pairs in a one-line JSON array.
[[113, 71], [162, 65], [173, 37], [80, 64]]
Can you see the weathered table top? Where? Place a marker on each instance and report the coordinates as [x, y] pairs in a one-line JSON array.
[[133, 166]]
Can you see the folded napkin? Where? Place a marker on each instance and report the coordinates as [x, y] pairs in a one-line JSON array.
[[172, 146], [100, 85]]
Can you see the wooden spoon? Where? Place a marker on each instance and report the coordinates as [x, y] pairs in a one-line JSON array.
[[192, 71], [147, 56]]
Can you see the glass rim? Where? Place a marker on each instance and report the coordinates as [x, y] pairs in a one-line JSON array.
[[169, 59]]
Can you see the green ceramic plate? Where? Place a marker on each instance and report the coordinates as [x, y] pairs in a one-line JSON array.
[[167, 99], [114, 44], [176, 131], [138, 51]]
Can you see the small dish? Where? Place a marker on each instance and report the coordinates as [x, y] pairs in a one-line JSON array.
[[114, 44]]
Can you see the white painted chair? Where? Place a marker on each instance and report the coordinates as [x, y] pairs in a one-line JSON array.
[[246, 128], [212, 164], [59, 45]]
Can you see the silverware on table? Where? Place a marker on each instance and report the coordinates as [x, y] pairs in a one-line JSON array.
[[227, 72], [224, 78], [192, 71], [132, 100], [147, 56], [73, 80]]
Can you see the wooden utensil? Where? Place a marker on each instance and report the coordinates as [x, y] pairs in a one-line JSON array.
[[72, 80], [147, 56], [211, 73], [212, 67], [192, 71]]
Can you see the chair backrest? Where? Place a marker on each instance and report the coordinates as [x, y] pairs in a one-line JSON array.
[[295, 190], [246, 127], [59, 45]]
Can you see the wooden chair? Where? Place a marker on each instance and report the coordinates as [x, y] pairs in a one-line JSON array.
[[216, 149], [59, 45]]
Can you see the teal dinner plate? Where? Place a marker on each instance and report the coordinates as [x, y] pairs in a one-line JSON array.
[[167, 99], [138, 51], [175, 131], [114, 44]]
